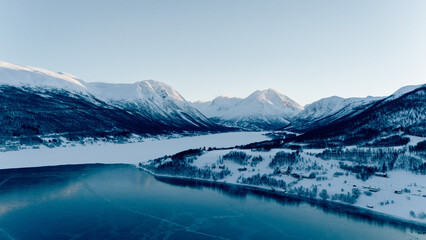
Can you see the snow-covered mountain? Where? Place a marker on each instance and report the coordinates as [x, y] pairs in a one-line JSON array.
[[217, 107], [32, 77], [157, 99], [402, 113], [327, 110], [267, 109], [48, 102]]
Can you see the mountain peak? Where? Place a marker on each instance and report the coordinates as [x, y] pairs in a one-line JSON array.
[[266, 109], [273, 97], [161, 89]]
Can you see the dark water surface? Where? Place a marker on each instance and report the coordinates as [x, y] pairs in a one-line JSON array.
[[121, 202]]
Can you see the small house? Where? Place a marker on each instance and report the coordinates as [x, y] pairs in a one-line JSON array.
[[381, 174], [371, 189]]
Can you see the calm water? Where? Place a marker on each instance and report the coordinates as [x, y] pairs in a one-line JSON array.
[[121, 202]]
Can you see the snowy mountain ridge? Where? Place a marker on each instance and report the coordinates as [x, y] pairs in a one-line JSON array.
[[145, 107], [329, 109], [263, 109], [404, 90], [332, 105], [21, 76]]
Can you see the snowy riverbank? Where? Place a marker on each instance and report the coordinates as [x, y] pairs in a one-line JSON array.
[[402, 194]]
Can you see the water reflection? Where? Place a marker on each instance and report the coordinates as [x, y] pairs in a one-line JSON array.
[[119, 201]]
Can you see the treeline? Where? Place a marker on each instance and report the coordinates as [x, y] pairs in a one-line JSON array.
[[391, 141], [237, 157], [179, 165], [185, 155], [186, 170], [360, 155], [362, 172], [241, 158], [419, 147], [284, 158], [264, 180], [348, 197], [304, 192], [384, 159]]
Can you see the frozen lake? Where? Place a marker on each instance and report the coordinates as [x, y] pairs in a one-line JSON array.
[[121, 202], [129, 153]]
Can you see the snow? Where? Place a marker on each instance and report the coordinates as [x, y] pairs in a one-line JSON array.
[[148, 90], [21, 76], [385, 201], [265, 106], [332, 105], [130, 153], [134, 91], [415, 139], [155, 98], [216, 107], [267, 102], [403, 91]]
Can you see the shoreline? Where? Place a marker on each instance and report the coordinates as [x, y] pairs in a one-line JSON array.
[[348, 208]]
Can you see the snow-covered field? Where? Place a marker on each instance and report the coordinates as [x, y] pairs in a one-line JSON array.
[[130, 153], [377, 193]]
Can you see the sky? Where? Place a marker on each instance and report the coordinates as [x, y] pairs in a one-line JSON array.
[[307, 50]]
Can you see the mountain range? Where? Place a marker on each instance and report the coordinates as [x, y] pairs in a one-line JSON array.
[[37, 102]]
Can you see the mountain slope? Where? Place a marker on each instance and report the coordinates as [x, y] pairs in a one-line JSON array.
[[38, 102], [328, 110], [157, 100], [27, 112], [402, 113], [267, 109]]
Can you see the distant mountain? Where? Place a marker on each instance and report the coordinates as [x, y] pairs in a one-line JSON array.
[[267, 109], [38, 102], [402, 113], [328, 110], [217, 107]]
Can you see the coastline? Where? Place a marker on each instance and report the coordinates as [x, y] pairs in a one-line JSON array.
[[348, 208]]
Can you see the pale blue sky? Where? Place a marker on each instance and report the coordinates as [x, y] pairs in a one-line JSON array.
[[304, 49]]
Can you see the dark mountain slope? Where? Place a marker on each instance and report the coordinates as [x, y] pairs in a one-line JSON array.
[[28, 112], [403, 115]]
